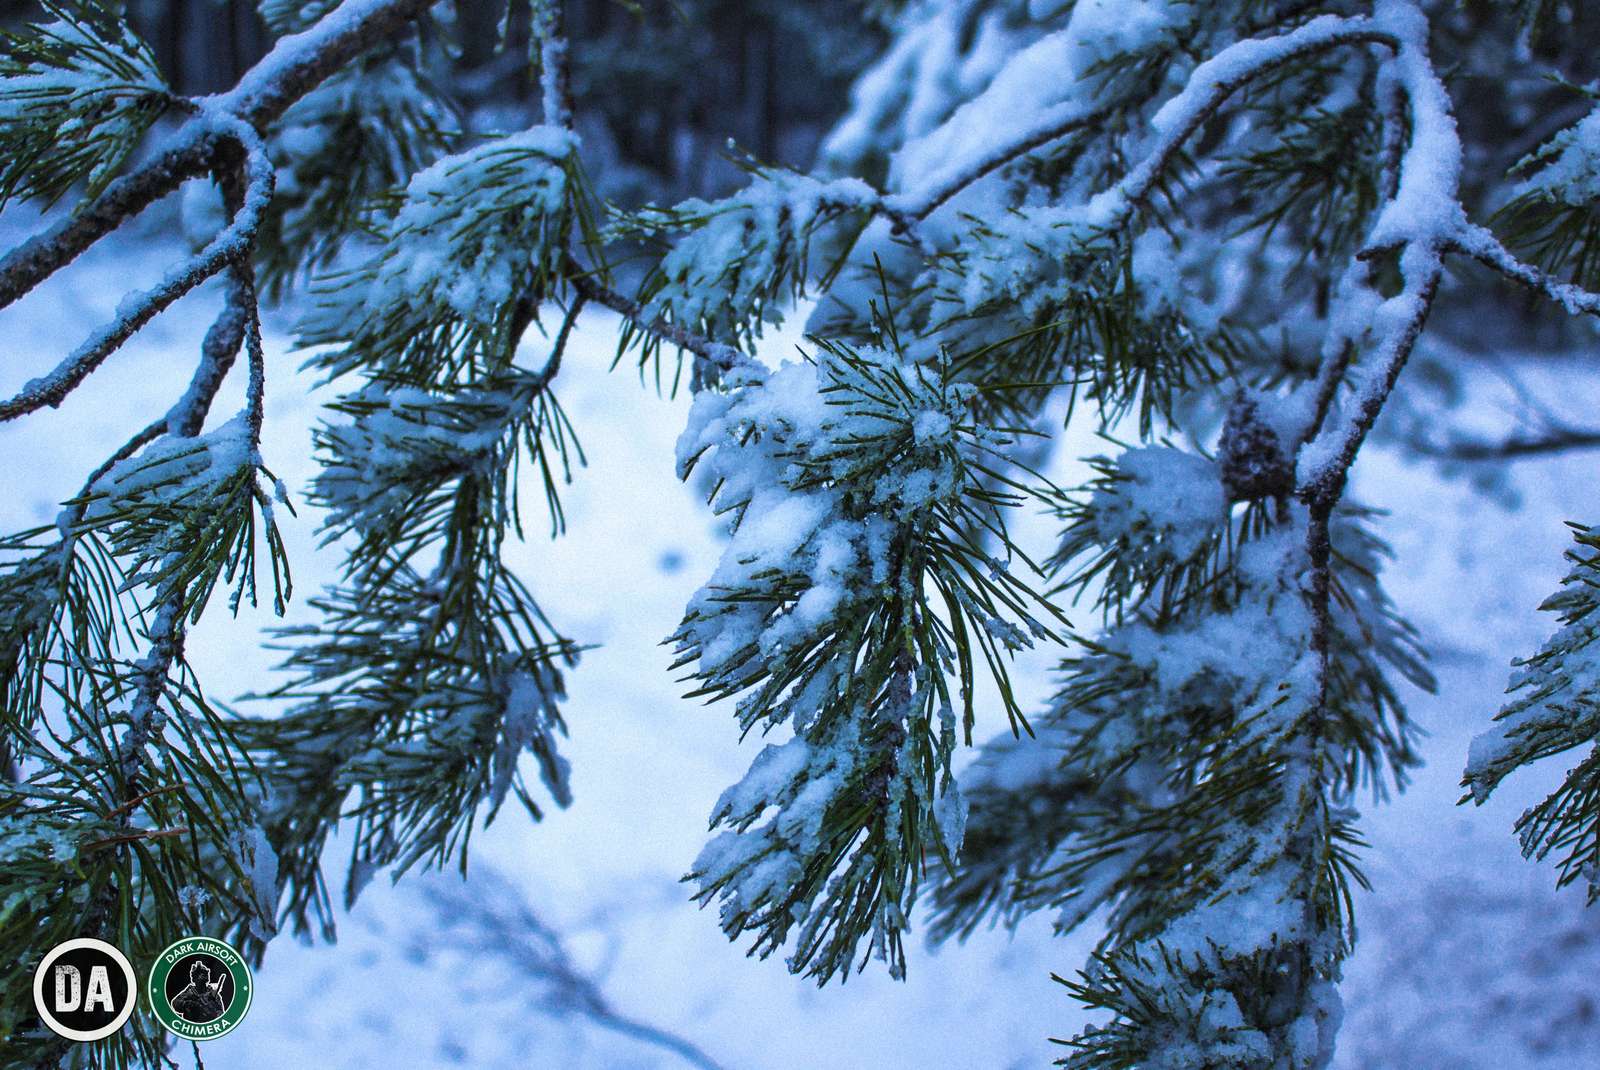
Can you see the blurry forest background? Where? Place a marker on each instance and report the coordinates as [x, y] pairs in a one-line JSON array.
[[664, 83]]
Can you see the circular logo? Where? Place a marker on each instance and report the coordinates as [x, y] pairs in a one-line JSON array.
[[199, 988], [84, 989]]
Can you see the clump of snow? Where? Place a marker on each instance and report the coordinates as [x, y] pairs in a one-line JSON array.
[[173, 472], [1161, 505], [470, 235], [833, 471]]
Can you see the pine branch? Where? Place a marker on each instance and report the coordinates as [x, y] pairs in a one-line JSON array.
[[295, 66], [1481, 244]]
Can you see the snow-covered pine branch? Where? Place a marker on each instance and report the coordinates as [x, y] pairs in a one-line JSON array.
[[1552, 710], [855, 607], [1230, 222]]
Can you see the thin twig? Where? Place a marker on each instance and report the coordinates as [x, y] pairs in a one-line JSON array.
[[1480, 244], [1514, 448], [723, 356]]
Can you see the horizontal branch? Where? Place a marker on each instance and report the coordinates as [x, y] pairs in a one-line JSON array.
[[1514, 448]]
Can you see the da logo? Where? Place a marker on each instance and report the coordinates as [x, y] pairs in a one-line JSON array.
[[199, 988], [84, 989]]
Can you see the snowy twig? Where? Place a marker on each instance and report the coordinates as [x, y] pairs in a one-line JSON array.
[[44, 254], [228, 247], [1480, 244], [1217, 79], [1416, 225], [555, 71], [217, 353], [720, 355]]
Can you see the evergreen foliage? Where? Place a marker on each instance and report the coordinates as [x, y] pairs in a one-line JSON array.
[[1216, 231]]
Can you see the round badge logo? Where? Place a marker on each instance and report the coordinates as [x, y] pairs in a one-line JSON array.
[[199, 988], [84, 989]]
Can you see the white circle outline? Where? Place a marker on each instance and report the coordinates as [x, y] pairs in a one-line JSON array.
[[249, 991], [84, 1034]]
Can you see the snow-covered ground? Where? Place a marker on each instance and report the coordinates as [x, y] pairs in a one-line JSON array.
[[1469, 959]]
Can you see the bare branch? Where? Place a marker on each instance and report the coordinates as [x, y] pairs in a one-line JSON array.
[[1514, 448]]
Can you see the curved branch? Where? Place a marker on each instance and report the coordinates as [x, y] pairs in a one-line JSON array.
[[1209, 86], [295, 66]]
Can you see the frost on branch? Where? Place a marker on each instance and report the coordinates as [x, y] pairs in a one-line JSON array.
[[851, 604], [1554, 708], [76, 95]]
